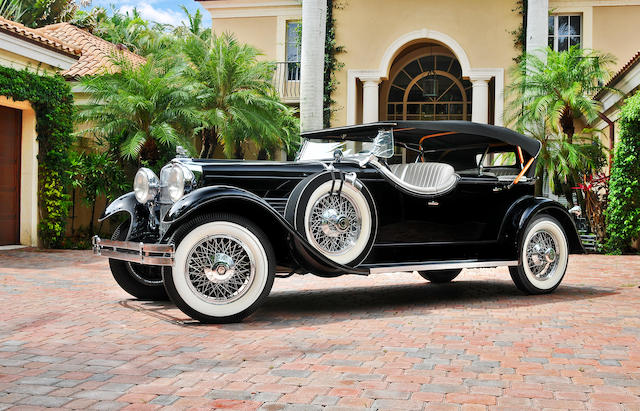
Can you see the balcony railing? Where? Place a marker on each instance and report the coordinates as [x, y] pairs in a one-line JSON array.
[[286, 79]]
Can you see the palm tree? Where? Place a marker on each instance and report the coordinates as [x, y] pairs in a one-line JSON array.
[[314, 14], [556, 93], [11, 10], [237, 100], [146, 107], [560, 89], [559, 158], [195, 26]]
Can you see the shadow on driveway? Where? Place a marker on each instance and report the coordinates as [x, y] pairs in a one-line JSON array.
[[322, 306]]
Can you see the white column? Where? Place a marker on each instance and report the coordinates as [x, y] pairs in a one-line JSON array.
[[537, 26], [314, 16], [480, 102], [370, 107]]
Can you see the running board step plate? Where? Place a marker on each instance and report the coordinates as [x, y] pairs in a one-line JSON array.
[[441, 265]]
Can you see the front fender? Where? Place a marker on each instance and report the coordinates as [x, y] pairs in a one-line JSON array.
[[236, 200], [521, 213], [139, 215]]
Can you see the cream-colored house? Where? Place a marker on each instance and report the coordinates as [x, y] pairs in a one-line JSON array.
[[428, 59], [59, 48]]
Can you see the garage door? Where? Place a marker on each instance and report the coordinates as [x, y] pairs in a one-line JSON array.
[[10, 132]]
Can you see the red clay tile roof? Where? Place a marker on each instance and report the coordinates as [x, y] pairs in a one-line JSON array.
[[96, 52], [41, 39], [621, 73]]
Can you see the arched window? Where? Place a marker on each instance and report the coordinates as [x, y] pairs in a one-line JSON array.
[[430, 88]]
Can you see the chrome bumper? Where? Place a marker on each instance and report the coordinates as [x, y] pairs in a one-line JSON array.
[[141, 253]]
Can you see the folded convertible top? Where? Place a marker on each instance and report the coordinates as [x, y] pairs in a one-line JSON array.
[[446, 134]]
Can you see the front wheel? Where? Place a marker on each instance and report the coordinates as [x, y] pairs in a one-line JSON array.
[[440, 276], [544, 255], [224, 268], [141, 281]]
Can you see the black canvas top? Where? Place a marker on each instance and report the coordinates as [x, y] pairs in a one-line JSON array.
[[464, 133]]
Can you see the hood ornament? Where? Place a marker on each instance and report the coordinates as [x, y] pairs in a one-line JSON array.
[[181, 152]]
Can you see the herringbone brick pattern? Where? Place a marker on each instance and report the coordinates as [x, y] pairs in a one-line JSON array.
[[70, 338]]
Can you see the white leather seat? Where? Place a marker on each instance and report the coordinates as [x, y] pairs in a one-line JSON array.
[[425, 178]]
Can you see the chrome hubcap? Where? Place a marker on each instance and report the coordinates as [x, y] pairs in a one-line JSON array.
[[335, 223], [542, 255], [220, 269]]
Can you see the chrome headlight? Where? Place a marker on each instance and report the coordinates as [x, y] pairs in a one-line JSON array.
[[145, 185], [175, 180], [175, 183]]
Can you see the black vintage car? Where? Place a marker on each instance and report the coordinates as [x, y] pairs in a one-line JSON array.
[[431, 197]]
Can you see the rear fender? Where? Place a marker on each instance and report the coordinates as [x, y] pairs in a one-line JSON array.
[[244, 203], [139, 214], [525, 210]]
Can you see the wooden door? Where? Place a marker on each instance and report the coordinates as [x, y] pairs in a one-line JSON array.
[[10, 141]]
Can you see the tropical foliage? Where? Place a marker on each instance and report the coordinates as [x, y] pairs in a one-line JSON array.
[[235, 96], [551, 96], [147, 107], [51, 99], [623, 212], [38, 13]]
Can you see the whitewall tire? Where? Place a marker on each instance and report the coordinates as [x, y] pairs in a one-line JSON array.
[[223, 270], [337, 219], [544, 256]]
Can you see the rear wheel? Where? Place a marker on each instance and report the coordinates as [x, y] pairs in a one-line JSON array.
[[224, 268], [544, 255], [440, 276]]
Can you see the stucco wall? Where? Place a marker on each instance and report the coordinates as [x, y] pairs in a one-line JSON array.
[[259, 32], [15, 61], [366, 28], [615, 31]]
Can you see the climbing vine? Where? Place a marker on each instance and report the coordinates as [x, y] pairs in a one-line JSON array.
[[51, 99], [520, 33], [331, 63]]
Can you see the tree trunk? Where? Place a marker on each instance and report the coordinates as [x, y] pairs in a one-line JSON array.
[[539, 182], [149, 150], [566, 122], [314, 15], [239, 154], [206, 144]]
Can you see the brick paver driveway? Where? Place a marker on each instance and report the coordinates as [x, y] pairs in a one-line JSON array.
[[71, 338]]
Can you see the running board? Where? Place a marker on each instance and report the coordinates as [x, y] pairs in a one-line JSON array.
[[441, 265]]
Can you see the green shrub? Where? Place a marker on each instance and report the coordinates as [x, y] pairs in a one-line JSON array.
[[51, 99], [623, 212]]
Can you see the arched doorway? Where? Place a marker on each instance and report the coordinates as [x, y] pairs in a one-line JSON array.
[[425, 83]]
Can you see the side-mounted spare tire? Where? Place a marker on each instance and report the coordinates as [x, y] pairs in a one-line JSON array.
[[336, 217]]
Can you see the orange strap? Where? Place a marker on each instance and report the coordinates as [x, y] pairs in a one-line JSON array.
[[429, 136], [436, 135], [520, 155], [524, 170]]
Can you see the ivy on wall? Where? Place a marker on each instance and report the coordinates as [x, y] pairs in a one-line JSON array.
[[623, 211], [331, 63], [52, 101], [520, 33]]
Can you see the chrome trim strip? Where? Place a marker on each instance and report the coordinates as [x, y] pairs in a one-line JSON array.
[[442, 265], [148, 254]]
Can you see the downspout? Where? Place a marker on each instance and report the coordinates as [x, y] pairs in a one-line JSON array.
[[612, 133]]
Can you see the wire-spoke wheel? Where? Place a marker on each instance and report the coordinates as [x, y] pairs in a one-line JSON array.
[[337, 218], [224, 268], [544, 254], [141, 281]]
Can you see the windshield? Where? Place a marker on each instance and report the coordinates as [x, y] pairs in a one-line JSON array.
[[381, 146]]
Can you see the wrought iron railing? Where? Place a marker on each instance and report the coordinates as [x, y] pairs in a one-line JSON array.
[[286, 79]]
